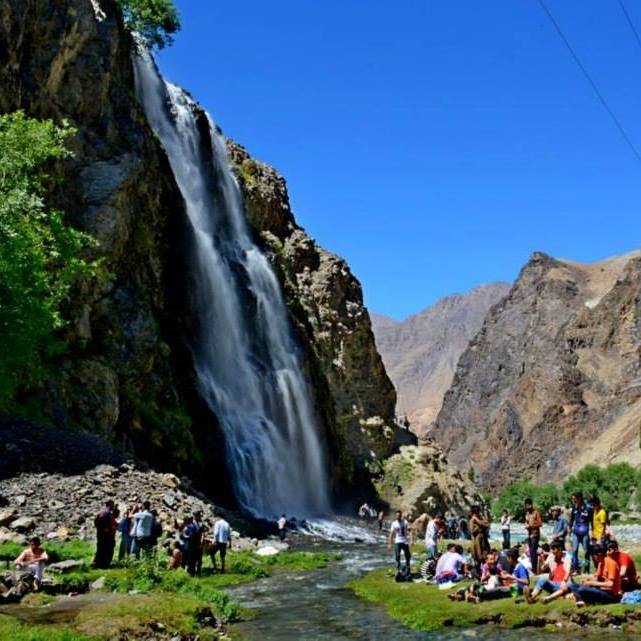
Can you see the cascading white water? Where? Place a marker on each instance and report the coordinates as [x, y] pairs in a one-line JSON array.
[[246, 359]]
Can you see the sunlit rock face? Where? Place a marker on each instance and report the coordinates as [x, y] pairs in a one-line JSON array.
[[553, 379]]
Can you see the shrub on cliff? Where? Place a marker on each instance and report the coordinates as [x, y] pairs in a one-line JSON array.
[[155, 21], [40, 256]]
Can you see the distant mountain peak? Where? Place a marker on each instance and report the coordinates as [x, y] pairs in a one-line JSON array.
[[421, 352]]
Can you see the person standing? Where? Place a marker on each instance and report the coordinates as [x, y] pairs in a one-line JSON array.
[[124, 527], [381, 520], [401, 535], [190, 535], [433, 532], [282, 527], [559, 527], [221, 541], [142, 530], [580, 522], [105, 535], [505, 529], [479, 529], [198, 547], [452, 527], [533, 523], [599, 521]]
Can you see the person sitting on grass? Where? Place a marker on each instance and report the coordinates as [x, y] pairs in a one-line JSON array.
[[556, 583], [451, 565], [516, 576], [605, 586], [496, 581], [33, 560], [627, 567]]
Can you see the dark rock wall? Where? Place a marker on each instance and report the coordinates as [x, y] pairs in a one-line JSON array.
[[128, 373]]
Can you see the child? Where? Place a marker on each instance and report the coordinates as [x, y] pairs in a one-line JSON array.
[[175, 558]]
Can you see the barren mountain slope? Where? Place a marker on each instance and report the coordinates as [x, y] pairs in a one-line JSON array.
[[553, 379], [420, 353]]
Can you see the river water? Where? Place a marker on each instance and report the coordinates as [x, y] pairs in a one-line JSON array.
[[317, 606]]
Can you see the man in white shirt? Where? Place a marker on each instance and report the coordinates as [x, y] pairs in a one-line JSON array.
[[402, 537], [282, 527], [432, 533], [141, 530], [221, 541], [451, 565]]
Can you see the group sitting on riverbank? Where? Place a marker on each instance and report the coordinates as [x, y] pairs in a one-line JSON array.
[[554, 569]]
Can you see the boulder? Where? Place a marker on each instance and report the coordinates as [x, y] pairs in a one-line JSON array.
[[171, 481], [22, 524], [62, 567], [98, 584], [7, 516], [267, 550]]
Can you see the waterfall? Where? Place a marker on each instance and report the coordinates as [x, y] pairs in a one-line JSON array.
[[246, 359]]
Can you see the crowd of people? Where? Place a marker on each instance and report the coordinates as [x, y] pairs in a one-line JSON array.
[[140, 530], [579, 537]]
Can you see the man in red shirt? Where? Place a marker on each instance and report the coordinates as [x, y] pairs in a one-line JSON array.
[[603, 588], [629, 577], [556, 582]]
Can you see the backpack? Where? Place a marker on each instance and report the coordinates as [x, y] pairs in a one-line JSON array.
[[403, 574]]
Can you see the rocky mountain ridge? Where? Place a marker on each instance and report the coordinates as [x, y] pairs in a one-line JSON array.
[[552, 380], [421, 352]]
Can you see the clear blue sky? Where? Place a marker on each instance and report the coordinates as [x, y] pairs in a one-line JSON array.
[[434, 145]]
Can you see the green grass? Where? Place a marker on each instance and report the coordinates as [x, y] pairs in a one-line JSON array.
[[15, 631], [57, 551], [169, 597], [426, 608]]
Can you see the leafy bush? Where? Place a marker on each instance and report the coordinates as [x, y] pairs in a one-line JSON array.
[[616, 485], [513, 496], [155, 21], [40, 256]]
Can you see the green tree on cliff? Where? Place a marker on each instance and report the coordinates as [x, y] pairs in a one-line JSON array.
[[155, 21], [40, 256]]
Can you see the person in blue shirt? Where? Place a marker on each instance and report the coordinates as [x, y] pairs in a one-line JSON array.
[[580, 523], [560, 527]]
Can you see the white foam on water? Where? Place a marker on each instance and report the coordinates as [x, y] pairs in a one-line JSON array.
[[340, 532]]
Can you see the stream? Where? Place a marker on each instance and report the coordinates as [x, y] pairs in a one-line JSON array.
[[316, 605]]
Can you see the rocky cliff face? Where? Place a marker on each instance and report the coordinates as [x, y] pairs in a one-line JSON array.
[[354, 395], [124, 368], [421, 352], [128, 373], [553, 379]]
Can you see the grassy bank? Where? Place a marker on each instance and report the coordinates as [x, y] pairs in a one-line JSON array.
[[140, 594], [426, 608]]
